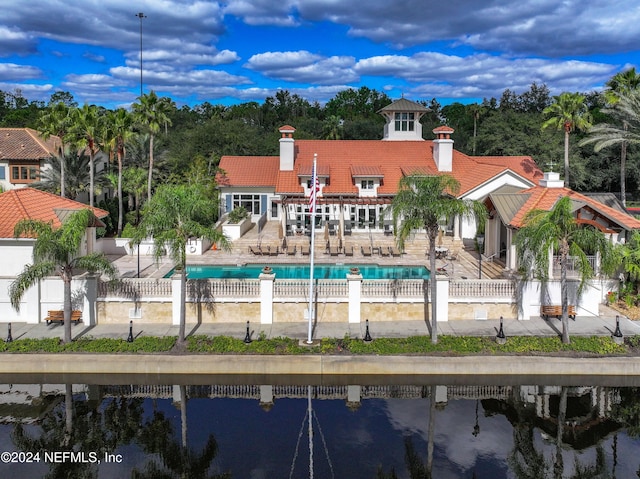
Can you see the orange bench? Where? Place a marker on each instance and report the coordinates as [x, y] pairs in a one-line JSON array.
[[555, 310], [57, 316]]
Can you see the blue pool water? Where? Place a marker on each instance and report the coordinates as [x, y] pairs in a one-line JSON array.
[[321, 271]]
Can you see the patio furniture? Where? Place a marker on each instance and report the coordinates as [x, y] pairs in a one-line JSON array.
[[384, 251], [348, 250], [395, 252], [366, 250], [333, 250], [291, 251], [441, 252], [347, 229], [255, 250], [548, 310], [387, 230], [57, 316], [304, 249], [274, 250]]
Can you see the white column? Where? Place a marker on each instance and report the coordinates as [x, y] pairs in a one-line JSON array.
[[89, 300], [177, 298], [266, 297], [353, 393], [355, 296], [442, 297], [266, 395], [456, 227]]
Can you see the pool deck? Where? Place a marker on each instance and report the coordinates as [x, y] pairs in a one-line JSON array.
[[463, 267]]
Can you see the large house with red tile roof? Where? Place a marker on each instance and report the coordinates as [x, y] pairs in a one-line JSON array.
[[23, 154], [359, 178]]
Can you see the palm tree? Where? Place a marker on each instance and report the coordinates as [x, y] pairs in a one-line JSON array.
[[115, 132], [558, 231], [625, 109], [86, 126], [175, 214], [476, 111], [134, 179], [569, 112], [56, 251], [151, 113], [421, 203], [76, 165], [56, 121]]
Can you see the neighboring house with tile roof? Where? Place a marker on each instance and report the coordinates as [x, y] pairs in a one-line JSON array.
[[508, 208], [359, 178], [23, 154], [29, 203]]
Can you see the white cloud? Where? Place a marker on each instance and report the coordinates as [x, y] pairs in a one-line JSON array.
[[304, 67], [12, 71]]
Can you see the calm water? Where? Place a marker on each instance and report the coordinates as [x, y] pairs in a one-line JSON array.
[[254, 431], [300, 271]]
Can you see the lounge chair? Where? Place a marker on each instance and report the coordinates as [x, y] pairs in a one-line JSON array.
[[387, 230], [366, 250], [291, 250], [333, 250], [304, 249], [274, 250], [395, 252], [384, 251], [348, 250], [255, 250]]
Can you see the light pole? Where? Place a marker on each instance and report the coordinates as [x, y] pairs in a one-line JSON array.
[[480, 251], [141, 16]]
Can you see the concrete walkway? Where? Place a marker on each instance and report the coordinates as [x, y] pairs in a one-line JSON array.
[[604, 325]]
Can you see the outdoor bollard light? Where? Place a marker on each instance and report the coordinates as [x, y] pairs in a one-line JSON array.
[[367, 336], [247, 338], [9, 337], [130, 337], [617, 333], [500, 337]]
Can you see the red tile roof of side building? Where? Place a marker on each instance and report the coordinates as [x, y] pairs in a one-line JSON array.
[[545, 198], [29, 203], [392, 159]]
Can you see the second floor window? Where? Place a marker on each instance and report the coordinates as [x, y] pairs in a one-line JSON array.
[[404, 121], [366, 184]]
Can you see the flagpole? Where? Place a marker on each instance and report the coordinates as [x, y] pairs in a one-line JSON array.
[[312, 204]]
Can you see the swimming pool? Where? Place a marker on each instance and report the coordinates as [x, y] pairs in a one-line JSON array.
[[301, 271]]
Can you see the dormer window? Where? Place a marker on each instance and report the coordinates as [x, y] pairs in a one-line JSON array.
[[405, 121], [366, 184]]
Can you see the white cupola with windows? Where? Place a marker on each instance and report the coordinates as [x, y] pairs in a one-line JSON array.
[[403, 120]]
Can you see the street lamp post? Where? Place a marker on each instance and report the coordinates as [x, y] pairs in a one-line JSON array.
[[141, 16]]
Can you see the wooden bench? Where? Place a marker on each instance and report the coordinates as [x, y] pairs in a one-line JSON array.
[[555, 310], [57, 316]]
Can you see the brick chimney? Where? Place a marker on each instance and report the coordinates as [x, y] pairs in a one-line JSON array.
[[287, 144], [443, 148]]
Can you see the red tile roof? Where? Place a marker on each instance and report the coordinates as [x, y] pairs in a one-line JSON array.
[[392, 159], [545, 198], [26, 144], [29, 203], [257, 171]]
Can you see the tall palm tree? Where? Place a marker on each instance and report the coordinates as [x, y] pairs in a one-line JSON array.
[[116, 130], [56, 251], [55, 120], [175, 214], [135, 183], [558, 231], [76, 165], [423, 202], [622, 86], [476, 111], [569, 112], [151, 114], [86, 126]]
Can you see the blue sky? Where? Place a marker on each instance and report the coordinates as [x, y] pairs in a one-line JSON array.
[[243, 50]]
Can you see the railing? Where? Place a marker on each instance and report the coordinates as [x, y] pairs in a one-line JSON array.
[[573, 269], [135, 288], [481, 288], [393, 288], [299, 288], [213, 288]]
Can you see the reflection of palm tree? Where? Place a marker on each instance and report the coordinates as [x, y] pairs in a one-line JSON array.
[[81, 427], [157, 436]]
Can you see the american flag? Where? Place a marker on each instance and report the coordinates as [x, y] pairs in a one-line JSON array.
[[315, 187]]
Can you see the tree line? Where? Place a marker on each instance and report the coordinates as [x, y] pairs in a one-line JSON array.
[[158, 141]]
